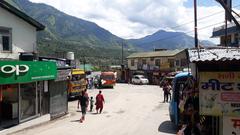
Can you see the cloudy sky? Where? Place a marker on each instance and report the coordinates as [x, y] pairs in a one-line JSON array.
[[138, 18]]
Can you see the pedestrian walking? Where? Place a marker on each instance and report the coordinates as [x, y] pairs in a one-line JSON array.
[[165, 91], [169, 91], [83, 101], [91, 83], [99, 102], [91, 104]]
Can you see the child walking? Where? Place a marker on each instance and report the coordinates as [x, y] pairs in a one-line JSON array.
[[91, 104]]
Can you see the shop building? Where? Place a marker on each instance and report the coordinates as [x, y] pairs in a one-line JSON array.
[[218, 77], [156, 64], [58, 89], [23, 90], [28, 88]]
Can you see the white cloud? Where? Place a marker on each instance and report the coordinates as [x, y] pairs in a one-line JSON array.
[[134, 18]]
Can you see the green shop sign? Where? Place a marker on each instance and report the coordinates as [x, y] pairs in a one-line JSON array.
[[26, 71]]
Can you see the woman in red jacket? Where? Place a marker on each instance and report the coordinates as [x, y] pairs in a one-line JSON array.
[[99, 101]]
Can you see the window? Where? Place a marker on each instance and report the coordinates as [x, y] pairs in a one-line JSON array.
[[152, 59], [171, 62], [184, 62], [5, 39], [177, 63], [157, 62], [144, 61], [132, 63]]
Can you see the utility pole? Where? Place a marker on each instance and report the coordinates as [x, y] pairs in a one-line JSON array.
[[84, 62], [228, 11], [226, 27], [122, 65], [196, 27], [195, 24], [122, 52]]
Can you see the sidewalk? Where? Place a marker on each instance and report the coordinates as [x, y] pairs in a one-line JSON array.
[[26, 125]]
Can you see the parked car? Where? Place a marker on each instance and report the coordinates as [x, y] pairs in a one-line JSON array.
[[139, 79]]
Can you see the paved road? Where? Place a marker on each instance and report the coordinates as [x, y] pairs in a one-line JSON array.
[[129, 110]]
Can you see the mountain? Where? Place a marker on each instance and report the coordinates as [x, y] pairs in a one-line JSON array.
[[166, 40], [90, 42], [67, 33]]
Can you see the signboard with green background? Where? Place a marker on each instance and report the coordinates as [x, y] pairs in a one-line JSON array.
[[12, 72]]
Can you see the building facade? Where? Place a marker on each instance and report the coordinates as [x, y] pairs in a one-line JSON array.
[[29, 88], [156, 64], [217, 73], [233, 35], [18, 32], [23, 90]]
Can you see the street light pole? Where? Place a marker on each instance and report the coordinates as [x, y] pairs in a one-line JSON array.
[[195, 23]]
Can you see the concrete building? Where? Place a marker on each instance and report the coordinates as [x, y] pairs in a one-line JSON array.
[[233, 35], [155, 64], [28, 89], [18, 32]]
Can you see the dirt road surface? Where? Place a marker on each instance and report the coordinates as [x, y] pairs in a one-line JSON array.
[[129, 110]]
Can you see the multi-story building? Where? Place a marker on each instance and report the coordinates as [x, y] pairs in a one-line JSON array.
[[233, 35], [155, 64]]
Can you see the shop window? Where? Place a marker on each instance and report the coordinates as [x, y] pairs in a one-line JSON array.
[[177, 62], [183, 62], [157, 62], [144, 61], [28, 95], [171, 62], [8, 105], [5, 39], [132, 63]]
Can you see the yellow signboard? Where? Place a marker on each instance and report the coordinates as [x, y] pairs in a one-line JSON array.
[[77, 72], [219, 93]]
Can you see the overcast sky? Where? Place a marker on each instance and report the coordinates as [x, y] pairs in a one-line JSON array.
[[138, 18]]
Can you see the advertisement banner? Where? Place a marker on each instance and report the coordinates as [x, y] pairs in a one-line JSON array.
[[219, 93], [231, 126], [12, 72]]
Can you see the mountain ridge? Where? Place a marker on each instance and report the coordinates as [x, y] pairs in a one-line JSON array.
[[167, 40]]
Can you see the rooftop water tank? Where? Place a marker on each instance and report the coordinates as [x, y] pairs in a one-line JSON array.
[[70, 55]]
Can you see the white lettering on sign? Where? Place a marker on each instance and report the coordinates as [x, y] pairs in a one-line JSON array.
[[9, 69]]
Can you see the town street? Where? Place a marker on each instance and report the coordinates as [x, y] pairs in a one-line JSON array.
[[129, 110]]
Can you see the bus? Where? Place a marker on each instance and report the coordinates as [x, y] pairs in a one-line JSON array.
[[107, 79], [77, 83], [180, 82]]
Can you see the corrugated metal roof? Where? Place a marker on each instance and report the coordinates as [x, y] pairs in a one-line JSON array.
[[214, 54], [167, 53]]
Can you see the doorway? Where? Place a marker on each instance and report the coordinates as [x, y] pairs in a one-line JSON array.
[[28, 101], [9, 105]]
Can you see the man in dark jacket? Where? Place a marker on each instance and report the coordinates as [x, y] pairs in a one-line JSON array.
[[83, 101]]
